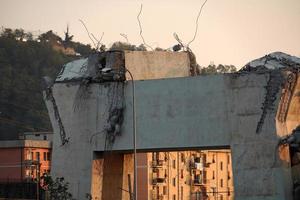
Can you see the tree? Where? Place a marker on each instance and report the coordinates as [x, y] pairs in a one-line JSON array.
[[127, 46], [19, 34], [58, 189], [23, 63], [8, 33], [220, 69], [50, 37], [68, 38]]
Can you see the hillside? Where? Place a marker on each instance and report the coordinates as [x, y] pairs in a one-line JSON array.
[[23, 63]]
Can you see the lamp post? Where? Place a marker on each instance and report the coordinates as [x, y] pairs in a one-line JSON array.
[[134, 134]]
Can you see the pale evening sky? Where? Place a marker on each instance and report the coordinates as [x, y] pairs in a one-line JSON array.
[[230, 31]]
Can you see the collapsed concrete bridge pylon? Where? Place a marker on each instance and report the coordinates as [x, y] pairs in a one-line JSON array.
[[248, 112]]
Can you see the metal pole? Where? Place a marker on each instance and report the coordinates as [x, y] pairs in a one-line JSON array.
[[38, 180], [134, 135]]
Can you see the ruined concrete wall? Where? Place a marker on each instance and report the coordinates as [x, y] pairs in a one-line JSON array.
[[257, 175], [202, 112], [76, 100], [146, 65], [73, 161], [290, 101]]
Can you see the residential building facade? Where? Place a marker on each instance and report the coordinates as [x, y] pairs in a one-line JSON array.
[[185, 175], [24, 160]]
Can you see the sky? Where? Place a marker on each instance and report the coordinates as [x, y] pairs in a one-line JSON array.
[[229, 32]]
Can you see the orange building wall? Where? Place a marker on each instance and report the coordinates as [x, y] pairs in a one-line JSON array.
[[45, 161], [15, 163], [10, 164], [143, 180]]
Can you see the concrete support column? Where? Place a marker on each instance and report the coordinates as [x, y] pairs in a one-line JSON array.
[[97, 176], [116, 168]]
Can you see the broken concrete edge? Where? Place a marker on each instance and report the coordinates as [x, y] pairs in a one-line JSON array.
[[272, 61], [90, 68]]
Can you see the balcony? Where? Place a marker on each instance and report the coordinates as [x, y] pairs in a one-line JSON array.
[[156, 181], [158, 197], [157, 163], [198, 181]]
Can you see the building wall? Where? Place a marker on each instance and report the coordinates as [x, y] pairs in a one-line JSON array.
[[189, 175], [16, 162], [37, 154], [10, 164]]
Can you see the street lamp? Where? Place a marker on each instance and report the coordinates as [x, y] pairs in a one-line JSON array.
[[110, 70]]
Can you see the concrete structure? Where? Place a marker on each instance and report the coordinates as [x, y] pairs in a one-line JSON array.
[[247, 112], [185, 175], [19, 159]]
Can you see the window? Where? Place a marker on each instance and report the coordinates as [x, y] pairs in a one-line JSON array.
[[213, 175], [48, 156], [174, 164], [165, 190], [174, 196], [221, 182], [181, 173], [28, 155], [27, 173], [44, 156], [157, 155], [174, 182], [228, 158], [221, 197], [154, 156], [45, 137], [37, 155], [221, 166], [32, 156], [182, 157]]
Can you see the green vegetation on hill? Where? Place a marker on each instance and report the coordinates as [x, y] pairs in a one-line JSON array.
[[23, 63]]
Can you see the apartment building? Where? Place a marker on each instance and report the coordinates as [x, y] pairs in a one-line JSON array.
[[25, 159], [185, 175]]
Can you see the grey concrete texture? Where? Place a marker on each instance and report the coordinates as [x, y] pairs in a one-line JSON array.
[[178, 113]]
